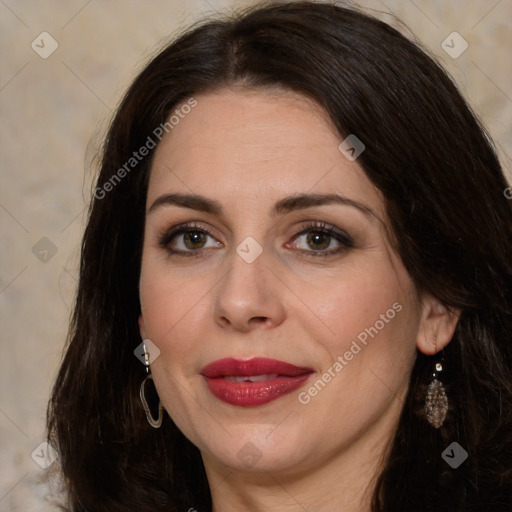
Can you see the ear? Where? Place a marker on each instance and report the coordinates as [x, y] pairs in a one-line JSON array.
[[142, 328], [437, 325]]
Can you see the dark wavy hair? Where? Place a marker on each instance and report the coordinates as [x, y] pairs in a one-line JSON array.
[[451, 223]]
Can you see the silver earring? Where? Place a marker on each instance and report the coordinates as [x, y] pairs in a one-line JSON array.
[[436, 402], [158, 422]]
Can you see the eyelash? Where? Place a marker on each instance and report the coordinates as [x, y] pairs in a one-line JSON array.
[[346, 242]]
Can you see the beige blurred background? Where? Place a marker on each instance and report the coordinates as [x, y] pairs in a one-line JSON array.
[[53, 112]]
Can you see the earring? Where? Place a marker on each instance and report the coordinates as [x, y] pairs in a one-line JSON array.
[[436, 402], [158, 422]]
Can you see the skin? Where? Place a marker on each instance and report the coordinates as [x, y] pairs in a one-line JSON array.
[[247, 150]]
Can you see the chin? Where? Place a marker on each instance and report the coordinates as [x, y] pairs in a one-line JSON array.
[[258, 448]]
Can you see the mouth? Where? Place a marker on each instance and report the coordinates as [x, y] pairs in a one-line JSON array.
[[254, 381]]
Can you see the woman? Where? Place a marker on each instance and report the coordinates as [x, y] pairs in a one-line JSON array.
[[296, 287]]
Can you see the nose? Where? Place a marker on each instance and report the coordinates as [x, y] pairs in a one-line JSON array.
[[250, 296]]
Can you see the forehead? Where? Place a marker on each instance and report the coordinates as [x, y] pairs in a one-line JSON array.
[[256, 146]]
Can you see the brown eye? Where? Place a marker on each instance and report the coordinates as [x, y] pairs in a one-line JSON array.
[[188, 240], [194, 239], [319, 239]]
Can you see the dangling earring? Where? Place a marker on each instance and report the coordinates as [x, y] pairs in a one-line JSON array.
[[436, 402], [158, 422]]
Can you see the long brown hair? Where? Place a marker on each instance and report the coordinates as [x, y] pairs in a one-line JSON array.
[[452, 226]]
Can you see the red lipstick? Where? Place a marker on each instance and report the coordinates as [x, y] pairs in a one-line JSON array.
[[254, 381]]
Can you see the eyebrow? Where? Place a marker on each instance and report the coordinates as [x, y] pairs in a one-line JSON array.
[[283, 206]]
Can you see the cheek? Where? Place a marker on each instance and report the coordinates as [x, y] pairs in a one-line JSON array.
[[350, 305], [172, 311], [372, 318], [172, 321], [166, 306]]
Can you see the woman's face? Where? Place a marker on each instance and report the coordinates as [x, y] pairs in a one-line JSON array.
[[263, 240]]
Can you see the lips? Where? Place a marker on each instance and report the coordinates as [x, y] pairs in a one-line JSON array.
[[253, 382]]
